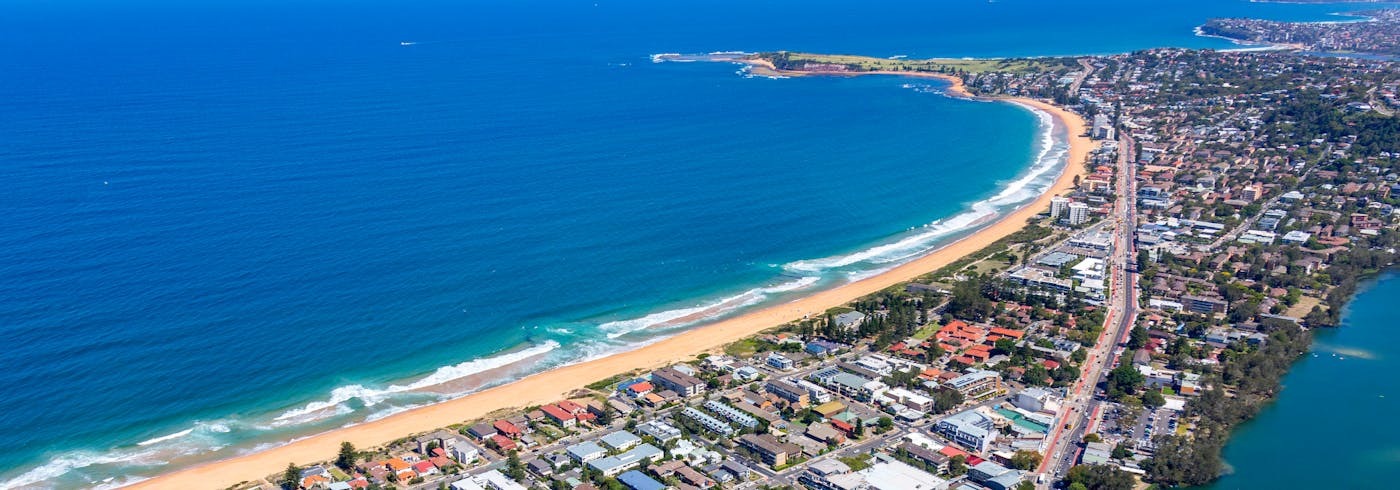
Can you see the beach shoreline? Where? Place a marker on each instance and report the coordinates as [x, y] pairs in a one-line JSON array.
[[559, 382], [764, 68]]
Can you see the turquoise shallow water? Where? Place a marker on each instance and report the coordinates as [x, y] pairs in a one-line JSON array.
[[232, 223]]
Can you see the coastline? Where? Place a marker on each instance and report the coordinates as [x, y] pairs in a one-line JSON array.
[[956, 88], [1309, 383], [557, 383]]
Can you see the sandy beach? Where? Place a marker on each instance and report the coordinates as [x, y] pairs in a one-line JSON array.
[[555, 384]]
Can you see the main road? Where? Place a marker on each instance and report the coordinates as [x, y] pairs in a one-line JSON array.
[[1077, 407]]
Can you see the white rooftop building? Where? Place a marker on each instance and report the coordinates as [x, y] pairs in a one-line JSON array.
[[897, 475]]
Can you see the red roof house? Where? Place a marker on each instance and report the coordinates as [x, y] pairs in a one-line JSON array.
[[507, 429]]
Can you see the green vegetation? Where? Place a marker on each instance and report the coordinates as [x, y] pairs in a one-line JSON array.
[[785, 60], [857, 462], [1099, 477], [346, 458], [604, 384], [1025, 460], [1255, 374], [291, 477]]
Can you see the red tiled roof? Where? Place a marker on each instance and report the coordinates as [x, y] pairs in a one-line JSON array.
[[1008, 332], [570, 406], [951, 451], [557, 413], [504, 442], [506, 427]]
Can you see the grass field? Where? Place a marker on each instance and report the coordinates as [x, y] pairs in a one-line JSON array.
[[927, 331], [742, 349], [1304, 305], [1013, 65]]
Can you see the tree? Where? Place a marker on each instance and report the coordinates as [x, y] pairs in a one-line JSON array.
[[1091, 437], [1137, 338], [1005, 346], [1124, 379], [958, 465], [514, 468], [1153, 399], [1077, 486], [346, 458], [1318, 318], [1121, 451], [967, 302], [934, 351], [1025, 460], [291, 477], [1180, 461], [1079, 355], [946, 399], [1100, 477]]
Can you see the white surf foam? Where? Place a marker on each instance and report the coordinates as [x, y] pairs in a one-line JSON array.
[[680, 317], [930, 236], [336, 403], [157, 440], [154, 452], [157, 451]]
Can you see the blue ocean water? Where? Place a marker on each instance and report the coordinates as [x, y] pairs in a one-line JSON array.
[[228, 224]]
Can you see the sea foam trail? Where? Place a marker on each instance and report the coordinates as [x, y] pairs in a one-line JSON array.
[[688, 316], [336, 404], [931, 236], [164, 438]]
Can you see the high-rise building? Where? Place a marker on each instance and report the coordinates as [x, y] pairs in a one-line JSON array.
[[1058, 204], [1078, 213]]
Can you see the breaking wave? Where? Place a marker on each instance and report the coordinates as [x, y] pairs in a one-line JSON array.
[[681, 317], [618, 336], [337, 404], [1051, 156]]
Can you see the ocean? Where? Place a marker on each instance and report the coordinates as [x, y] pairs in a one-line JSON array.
[[231, 224]]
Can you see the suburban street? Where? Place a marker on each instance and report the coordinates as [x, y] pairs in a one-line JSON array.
[[1079, 403]]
